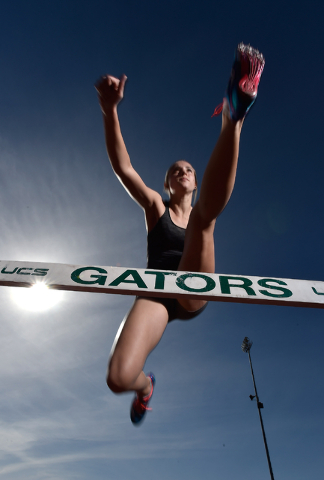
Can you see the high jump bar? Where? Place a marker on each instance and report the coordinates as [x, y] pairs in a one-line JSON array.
[[164, 283]]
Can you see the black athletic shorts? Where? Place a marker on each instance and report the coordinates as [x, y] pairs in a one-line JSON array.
[[175, 310]]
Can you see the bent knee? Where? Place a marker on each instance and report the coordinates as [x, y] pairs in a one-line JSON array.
[[112, 384], [119, 379], [192, 305], [115, 381]]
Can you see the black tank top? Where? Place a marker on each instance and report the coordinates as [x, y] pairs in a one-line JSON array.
[[165, 244]]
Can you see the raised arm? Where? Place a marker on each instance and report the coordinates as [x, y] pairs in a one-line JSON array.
[[110, 92]]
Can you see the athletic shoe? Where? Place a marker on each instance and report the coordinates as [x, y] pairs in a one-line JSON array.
[[243, 85], [140, 406]]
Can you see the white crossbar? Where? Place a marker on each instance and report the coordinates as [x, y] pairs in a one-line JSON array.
[[158, 283]]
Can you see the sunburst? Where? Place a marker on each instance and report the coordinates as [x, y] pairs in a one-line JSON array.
[[36, 298]]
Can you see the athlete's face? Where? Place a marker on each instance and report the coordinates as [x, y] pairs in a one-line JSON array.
[[181, 178]]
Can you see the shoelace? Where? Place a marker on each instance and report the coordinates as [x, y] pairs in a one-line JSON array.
[[143, 404], [218, 110], [139, 405]]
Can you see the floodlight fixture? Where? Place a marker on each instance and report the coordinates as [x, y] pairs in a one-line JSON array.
[[246, 345]]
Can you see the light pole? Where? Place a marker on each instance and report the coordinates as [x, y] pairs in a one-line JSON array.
[[246, 347]]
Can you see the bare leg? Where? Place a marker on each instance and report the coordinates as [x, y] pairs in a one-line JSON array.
[[216, 189], [219, 177], [139, 335]]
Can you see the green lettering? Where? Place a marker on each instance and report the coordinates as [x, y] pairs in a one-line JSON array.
[[9, 273], [315, 291], [122, 279], [226, 285], [160, 278], [100, 279], [41, 272], [20, 271], [285, 293], [210, 284]]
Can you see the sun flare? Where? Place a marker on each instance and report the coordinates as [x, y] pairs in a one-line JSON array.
[[36, 298]]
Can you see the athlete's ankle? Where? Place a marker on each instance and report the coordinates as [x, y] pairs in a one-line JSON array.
[[146, 391], [226, 116]]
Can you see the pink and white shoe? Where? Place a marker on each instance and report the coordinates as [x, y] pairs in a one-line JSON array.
[[242, 88]]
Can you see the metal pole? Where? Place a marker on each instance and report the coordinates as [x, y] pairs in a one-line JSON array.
[[262, 427]]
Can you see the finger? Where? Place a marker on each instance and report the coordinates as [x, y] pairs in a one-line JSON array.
[[100, 83], [104, 81], [121, 85]]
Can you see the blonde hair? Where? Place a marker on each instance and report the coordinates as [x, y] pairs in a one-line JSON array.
[[166, 181]]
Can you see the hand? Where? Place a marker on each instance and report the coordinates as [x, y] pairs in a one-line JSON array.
[[110, 92]]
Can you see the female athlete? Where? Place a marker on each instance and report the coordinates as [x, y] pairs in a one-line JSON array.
[[180, 237]]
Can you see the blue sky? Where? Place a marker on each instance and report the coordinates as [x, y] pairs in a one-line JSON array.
[[61, 203]]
